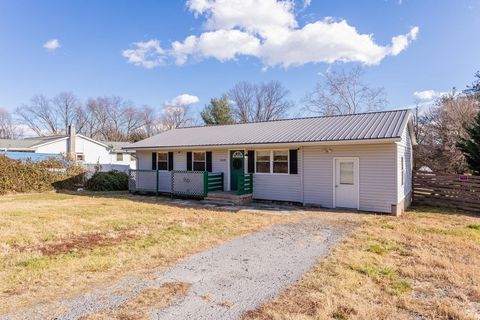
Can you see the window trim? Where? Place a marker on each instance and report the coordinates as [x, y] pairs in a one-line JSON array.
[[81, 154], [156, 164], [117, 154], [204, 161], [271, 151]]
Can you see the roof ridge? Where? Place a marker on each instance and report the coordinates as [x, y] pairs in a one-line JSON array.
[[295, 118]]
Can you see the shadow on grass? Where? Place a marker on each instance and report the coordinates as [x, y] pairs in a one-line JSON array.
[[422, 208]]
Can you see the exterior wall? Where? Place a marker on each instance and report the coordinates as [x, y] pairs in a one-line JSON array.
[[94, 154], [279, 187], [377, 175], [56, 147], [404, 192]]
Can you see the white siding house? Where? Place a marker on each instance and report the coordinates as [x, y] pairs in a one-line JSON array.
[[85, 151], [362, 161]]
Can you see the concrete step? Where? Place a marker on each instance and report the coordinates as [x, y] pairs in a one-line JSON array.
[[224, 197]]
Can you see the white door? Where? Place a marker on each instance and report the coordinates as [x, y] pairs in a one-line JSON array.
[[346, 183]]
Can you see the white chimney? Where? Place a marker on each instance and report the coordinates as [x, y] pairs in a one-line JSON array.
[[71, 142]]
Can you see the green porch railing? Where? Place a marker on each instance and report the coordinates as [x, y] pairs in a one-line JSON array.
[[212, 181], [244, 184]]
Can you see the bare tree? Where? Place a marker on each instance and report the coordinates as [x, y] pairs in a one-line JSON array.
[[438, 129], [67, 108], [344, 93], [39, 116], [259, 102], [176, 116], [8, 130]]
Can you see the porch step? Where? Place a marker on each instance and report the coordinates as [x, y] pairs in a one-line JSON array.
[[228, 198]]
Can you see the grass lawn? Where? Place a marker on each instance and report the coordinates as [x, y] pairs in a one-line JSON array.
[[423, 265], [57, 245]]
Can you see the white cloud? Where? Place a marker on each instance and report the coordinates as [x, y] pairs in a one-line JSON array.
[[221, 44], [182, 100], [52, 45], [147, 54], [429, 94], [268, 30]]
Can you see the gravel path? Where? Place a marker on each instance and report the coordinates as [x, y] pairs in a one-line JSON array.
[[226, 280]]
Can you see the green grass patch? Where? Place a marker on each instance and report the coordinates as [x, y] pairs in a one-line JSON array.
[[474, 226]]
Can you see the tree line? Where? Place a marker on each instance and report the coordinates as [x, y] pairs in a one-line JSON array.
[[447, 131], [117, 119]]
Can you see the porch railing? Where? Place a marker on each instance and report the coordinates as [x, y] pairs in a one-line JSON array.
[[244, 184], [181, 183], [213, 181]]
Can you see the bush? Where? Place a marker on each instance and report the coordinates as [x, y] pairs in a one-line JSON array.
[[108, 181], [38, 176]]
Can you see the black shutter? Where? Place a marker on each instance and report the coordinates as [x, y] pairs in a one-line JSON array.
[[293, 161], [189, 161], [170, 161], [154, 161], [208, 155], [251, 161]]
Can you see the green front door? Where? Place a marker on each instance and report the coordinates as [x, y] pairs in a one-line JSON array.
[[236, 167]]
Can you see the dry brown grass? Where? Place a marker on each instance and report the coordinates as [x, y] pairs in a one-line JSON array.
[[58, 245], [424, 265], [138, 308]]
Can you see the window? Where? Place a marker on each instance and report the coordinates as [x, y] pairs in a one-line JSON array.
[[162, 161], [280, 161], [263, 162], [119, 156], [198, 161], [80, 157], [276, 161], [346, 172], [402, 169]]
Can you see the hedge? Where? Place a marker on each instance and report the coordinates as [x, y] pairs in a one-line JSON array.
[[31, 176], [108, 181]]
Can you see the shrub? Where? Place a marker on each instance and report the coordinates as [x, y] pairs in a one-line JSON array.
[[108, 181], [38, 176]]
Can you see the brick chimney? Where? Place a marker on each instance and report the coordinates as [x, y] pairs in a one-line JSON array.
[[71, 142]]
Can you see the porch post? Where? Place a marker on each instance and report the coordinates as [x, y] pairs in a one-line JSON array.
[[156, 191], [205, 183]]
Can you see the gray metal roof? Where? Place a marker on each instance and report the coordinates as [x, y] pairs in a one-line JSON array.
[[362, 126], [27, 143]]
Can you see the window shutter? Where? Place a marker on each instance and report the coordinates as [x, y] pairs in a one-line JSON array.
[[251, 161], [208, 158], [170, 161], [154, 161], [189, 161], [294, 161]]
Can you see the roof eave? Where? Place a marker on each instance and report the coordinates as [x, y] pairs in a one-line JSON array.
[[271, 144]]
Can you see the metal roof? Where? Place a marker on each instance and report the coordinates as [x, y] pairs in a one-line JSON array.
[[361, 126]]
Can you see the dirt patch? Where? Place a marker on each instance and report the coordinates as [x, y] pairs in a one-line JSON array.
[[138, 307], [82, 242]]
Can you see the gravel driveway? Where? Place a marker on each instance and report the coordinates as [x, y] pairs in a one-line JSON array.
[[227, 280]]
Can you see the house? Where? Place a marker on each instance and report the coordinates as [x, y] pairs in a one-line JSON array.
[[85, 151], [360, 161]]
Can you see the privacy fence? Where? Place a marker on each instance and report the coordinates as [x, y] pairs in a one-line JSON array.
[[454, 191]]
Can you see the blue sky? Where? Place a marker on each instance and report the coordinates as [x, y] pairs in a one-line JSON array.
[[93, 36]]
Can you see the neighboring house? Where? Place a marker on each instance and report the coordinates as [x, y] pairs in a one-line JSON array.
[[85, 151], [360, 161]]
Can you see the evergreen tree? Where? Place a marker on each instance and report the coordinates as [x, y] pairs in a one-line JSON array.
[[219, 111], [474, 89], [471, 146]]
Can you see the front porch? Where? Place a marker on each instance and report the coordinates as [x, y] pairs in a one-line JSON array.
[[190, 184]]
